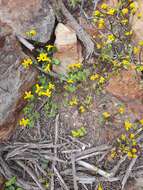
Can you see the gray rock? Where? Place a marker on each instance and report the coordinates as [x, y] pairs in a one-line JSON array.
[[25, 15], [14, 80]]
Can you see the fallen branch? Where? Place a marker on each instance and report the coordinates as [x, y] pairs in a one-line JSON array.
[[128, 172]]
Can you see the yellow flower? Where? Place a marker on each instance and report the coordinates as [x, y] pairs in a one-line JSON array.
[[24, 122], [38, 89], [81, 109], [101, 80], [134, 150], [131, 136], [124, 21], [130, 155], [104, 6], [26, 63], [51, 86], [121, 110], [31, 33], [128, 33], [134, 143], [28, 95], [106, 115], [98, 46], [141, 121], [136, 50], [73, 102], [47, 93], [49, 47], [75, 66], [96, 13], [113, 153], [99, 187], [125, 11], [47, 68], [127, 125], [94, 77], [43, 57], [123, 137], [111, 11], [141, 43], [134, 156], [125, 63], [111, 38], [70, 81], [132, 5], [139, 15], [101, 23]]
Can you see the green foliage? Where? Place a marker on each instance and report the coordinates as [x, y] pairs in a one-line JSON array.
[[77, 133], [32, 115], [56, 61], [11, 184], [74, 3], [50, 109]]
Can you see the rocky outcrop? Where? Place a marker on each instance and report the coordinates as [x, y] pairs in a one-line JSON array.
[[137, 22], [23, 16], [14, 80], [68, 48], [126, 87]]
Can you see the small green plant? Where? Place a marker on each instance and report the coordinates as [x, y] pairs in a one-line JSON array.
[[31, 114], [77, 133], [50, 109], [73, 3], [11, 184]]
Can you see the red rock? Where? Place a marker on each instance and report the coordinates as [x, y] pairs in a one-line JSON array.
[[126, 87]]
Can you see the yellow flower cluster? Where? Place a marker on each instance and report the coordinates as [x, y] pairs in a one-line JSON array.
[[41, 92], [101, 23], [132, 153], [75, 66], [94, 77], [26, 63]]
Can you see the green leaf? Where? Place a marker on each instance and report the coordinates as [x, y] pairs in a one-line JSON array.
[[10, 182], [56, 61]]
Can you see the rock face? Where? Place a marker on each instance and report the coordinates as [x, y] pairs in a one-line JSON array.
[[69, 49], [127, 88], [137, 23], [14, 80], [24, 15]]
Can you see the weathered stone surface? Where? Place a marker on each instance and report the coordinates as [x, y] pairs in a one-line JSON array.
[[69, 49], [23, 16], [14, 80], [126, 86], [137, 23]]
